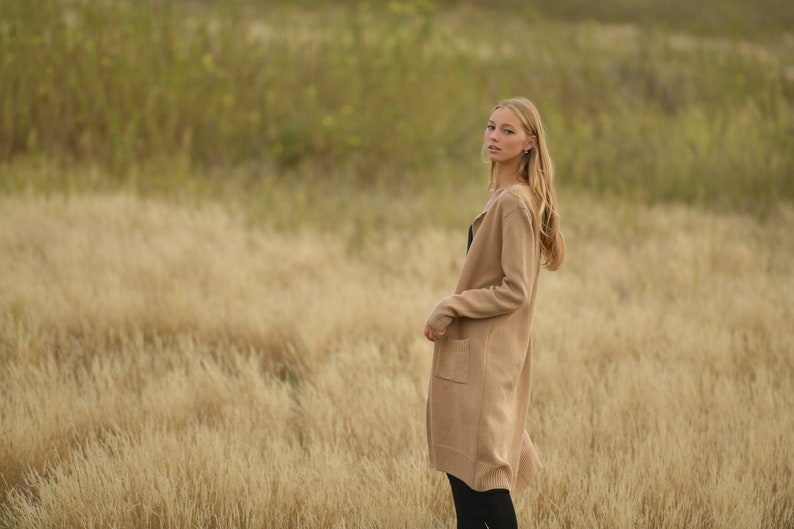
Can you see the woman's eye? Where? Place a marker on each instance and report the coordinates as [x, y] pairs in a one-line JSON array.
[[490, 127], [508, 131]]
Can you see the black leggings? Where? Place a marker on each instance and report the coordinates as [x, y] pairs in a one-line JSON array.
[[492, 509]]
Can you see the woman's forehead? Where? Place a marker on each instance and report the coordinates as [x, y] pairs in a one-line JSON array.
[[506, 116]]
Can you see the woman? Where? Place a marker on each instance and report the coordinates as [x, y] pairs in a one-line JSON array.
[[479, 392]]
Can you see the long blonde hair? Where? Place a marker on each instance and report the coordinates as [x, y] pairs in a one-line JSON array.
[[538, 171]]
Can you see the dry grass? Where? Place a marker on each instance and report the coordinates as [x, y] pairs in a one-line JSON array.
[[172, 367]]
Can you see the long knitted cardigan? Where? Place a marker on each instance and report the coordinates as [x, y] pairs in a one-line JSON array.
[[479, 392]]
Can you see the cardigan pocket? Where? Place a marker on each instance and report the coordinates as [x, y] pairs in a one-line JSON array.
[[452, 360]]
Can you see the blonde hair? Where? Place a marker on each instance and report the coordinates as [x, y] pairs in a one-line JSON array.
[[537, 170]]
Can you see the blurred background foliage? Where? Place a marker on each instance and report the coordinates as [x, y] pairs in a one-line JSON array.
[[651, 101]]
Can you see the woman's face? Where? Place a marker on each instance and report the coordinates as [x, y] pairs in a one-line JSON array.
[[505, 139]]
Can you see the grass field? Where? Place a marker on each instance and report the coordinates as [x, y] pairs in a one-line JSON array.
[[173, 366], [223, 224]]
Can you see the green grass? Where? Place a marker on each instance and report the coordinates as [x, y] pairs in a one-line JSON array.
[[160, 96]]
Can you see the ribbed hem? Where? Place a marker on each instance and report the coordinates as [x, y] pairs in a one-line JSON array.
[[452, 462], [488, 478], [528, 467], [477, 476], [483, 477]]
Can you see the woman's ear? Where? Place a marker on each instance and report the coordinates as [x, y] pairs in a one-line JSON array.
[[531, 142]]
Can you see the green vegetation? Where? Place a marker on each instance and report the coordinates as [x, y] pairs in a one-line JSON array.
[[169, 95]]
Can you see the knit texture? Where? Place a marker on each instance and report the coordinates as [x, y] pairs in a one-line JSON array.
[[479, 391]]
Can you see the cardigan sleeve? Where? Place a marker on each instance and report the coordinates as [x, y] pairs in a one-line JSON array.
[[514, 292]]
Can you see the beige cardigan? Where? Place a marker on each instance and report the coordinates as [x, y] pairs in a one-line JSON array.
[[480, 385]]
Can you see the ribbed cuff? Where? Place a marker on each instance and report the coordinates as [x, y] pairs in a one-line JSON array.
[[438, 320]]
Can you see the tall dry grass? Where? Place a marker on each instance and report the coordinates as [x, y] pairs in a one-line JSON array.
[[170, 366]]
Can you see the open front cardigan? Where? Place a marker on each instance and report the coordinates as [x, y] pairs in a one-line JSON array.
[[479, 392]]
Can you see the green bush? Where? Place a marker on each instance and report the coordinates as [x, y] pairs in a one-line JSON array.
[[387, 94]]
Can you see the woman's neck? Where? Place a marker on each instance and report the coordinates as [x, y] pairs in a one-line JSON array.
[[505, 175]]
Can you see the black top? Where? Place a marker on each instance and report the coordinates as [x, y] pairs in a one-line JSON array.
[[471, 238]]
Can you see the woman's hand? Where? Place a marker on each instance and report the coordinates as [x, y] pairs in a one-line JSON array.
[[432, 334]]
